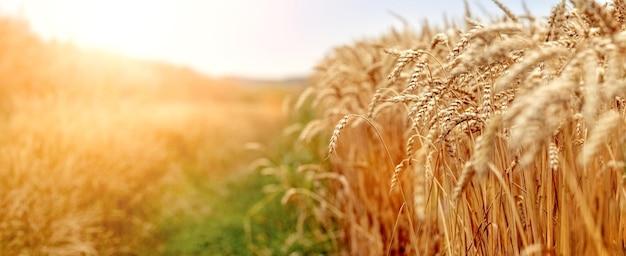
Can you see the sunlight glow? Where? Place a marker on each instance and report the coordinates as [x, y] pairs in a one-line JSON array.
[[253, 38], [159, 29], [216, 37], [128, 26], [134, 27]]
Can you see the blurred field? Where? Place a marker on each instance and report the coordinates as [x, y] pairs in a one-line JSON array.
[[97, 150]]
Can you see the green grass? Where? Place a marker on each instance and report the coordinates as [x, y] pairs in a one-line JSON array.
[[245, 215], [219, 233], [222, 231]]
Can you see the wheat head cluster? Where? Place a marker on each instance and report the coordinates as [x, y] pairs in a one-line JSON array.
[[486, 138]]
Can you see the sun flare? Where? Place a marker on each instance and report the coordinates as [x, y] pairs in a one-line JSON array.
[[126, 26], [140, 28]]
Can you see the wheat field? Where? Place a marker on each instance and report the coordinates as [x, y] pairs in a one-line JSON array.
[[499, 137], [97, 150]]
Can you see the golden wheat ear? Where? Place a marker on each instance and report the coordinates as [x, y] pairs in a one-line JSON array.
[[332, 145]]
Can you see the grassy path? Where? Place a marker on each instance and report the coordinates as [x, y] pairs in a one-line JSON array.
[[212, 201], [221, 230]]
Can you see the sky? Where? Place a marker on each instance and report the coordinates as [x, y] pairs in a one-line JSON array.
[[262, 39]]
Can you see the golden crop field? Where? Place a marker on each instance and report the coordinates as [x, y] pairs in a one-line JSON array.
[[482, 137], [500, 137], [96, 149]]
